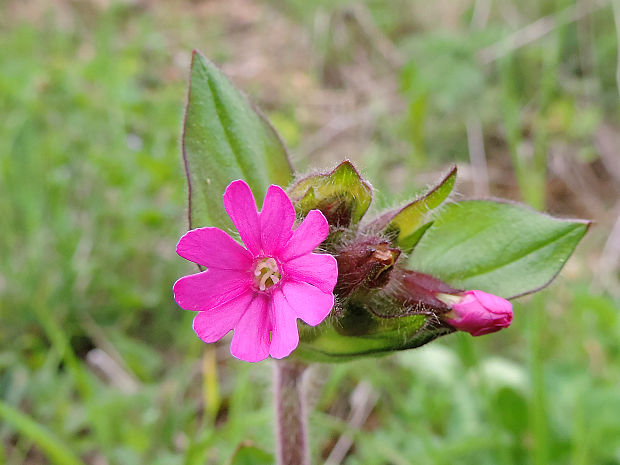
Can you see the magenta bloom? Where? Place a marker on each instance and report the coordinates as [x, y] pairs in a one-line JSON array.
[[260, 290], [480, 313]]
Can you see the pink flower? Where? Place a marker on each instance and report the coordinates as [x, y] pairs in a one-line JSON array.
[[478, 312], [260, 290]]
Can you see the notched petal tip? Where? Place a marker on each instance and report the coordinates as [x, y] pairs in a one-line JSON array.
[[309, 303], [214, 324], [313, 230], [276, 220], [240, 205]]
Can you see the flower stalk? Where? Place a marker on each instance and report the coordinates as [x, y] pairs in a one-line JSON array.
[[290, 409]]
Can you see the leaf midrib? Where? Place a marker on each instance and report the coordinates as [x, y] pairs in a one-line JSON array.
[[224, 121], [531, 250]]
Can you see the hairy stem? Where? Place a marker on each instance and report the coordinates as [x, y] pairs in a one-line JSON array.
[[291, 423]]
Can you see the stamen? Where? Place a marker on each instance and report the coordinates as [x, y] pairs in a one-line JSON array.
[[263, 281], [271, 263], [267, 272]]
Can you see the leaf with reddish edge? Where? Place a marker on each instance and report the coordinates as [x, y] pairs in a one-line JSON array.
[[342, 195], [503, 248], [225, 138], [405, 225]]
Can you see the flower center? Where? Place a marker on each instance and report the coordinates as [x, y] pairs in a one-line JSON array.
[[266, 273]]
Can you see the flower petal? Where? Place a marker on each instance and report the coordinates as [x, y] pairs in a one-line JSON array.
[[480, 313], [213, 248], [320, 270], [307, 237], [276, 220], [284, 334], [492, 302], [203, 291], [251, 338], [309, 303], [211, 325], [241, 207]]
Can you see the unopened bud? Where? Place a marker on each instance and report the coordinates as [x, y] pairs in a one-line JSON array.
[[368, 263], [477, 312], [342, 195], [421, 290]]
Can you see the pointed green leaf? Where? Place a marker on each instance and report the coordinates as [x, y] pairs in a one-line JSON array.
[[224, 139], [409, 218], [342, 195], [503, 248], [405, 225]]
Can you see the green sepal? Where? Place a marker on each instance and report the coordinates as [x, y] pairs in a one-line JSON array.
[[342, 195], [405, 225], [408, 243], [359, 331], [389, 335]]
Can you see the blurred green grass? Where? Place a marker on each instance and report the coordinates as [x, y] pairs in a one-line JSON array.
[[93, 350]]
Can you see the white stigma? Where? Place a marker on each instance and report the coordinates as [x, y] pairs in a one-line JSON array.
[[268, 273]]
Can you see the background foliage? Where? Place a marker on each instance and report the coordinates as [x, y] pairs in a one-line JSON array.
[[99, 366]]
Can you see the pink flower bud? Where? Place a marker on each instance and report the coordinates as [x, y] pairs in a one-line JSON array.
[[479, 313]]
